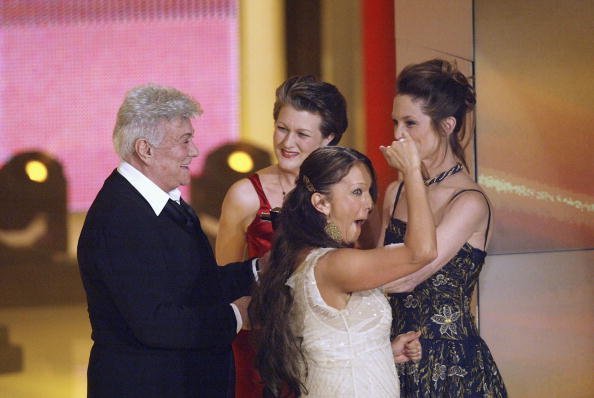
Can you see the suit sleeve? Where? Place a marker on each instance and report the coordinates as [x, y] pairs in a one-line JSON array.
[[236, 279]]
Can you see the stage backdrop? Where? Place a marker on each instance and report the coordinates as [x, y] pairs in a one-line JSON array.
[[534, 123], [65, 67]]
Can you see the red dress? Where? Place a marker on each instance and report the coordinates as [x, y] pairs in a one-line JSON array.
[[259, 233], [258, 238]]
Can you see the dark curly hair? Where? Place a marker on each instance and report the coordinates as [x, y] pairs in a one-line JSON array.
[[444, 91], [307, 93], [279, 357]]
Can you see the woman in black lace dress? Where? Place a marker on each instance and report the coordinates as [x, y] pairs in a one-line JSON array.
[[432, 104]]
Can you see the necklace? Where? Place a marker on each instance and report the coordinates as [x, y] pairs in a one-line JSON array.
[[281, 185], [442, 176]]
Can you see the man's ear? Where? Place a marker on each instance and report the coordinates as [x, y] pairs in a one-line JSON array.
[[448, 124], [143, 150], [320, 203]]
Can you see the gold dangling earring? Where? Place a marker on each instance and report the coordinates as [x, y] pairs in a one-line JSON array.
[[332, 231]]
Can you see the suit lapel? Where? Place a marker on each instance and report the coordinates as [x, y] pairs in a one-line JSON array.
[[196, 222], [174, 211], [186, 218]]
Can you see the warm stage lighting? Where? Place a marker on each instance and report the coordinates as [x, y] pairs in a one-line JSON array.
[[240, 161], [32, 209], [36, 171]]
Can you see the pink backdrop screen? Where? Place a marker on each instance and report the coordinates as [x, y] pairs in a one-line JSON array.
[[65, 68]]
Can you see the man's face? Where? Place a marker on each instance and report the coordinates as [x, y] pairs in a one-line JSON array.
[[170, 165]]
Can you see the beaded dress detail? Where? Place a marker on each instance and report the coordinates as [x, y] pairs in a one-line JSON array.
[[456, 362], [348, 351]]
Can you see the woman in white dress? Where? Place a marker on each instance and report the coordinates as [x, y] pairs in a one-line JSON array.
[[323, 324]]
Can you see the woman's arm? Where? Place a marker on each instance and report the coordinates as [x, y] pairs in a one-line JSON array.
[[465, 217], [420, 236], [239, 208], [347, 270]]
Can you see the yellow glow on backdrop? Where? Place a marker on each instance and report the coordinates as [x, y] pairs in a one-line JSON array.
[[36, 171], [240, 161]]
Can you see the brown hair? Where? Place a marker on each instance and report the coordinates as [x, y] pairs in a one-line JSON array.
[[306, 93], [444, 91]]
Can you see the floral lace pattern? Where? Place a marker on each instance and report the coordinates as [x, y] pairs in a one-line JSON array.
[[456, 362]]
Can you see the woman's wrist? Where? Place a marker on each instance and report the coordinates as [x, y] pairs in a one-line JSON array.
[[412, 173]]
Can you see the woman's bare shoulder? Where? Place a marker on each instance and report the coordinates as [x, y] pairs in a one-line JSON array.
[[469, 199], [390, 195], [242, 194], [466, 184], [392, 189]]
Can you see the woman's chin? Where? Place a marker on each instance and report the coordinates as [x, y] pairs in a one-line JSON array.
[[289, 165], [353, 238]]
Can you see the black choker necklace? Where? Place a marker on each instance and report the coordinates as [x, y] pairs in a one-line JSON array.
[[442, 176]]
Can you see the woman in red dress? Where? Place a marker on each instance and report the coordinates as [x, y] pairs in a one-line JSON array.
[[308, 114]]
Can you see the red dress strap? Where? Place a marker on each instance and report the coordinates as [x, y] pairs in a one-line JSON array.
[[259, 232]]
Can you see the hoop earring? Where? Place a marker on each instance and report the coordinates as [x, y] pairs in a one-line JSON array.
[[333, 232]]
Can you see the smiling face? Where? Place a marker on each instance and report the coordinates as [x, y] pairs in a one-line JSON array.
[[408, 115], [296, 135], [170, 160], [350, 202]]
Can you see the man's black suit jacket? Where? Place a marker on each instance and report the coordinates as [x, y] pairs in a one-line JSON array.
[[158, 303]]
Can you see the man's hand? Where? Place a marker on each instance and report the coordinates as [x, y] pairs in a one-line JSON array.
[[407, 347], [242, 305]]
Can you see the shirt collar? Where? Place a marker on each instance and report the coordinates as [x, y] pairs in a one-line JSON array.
[[156, 197]]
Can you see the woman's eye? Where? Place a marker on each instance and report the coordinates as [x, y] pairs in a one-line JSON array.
[[303, 135], [358, 191], [410, 123]]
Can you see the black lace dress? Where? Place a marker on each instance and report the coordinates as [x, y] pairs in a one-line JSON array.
[[456, 361]]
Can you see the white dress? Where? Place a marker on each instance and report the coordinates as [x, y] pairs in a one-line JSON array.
[[348, 351]]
